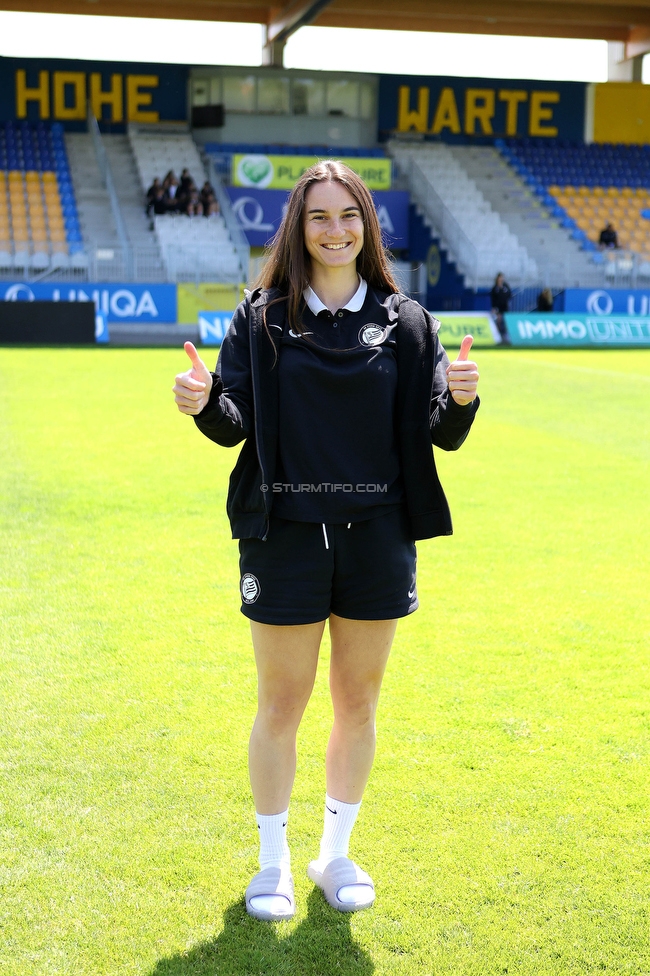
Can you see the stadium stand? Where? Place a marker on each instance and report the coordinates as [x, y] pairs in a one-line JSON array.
[[450, 200], [194, 246], [561, 261], [191, 246], [39, 224], [586, 186]]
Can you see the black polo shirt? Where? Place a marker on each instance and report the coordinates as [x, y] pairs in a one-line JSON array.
[[337, 453]]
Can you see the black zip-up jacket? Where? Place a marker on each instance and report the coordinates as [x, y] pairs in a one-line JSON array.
[[243, 405]]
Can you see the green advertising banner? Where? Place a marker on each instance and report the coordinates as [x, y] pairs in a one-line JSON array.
[[577, 329], [282, 172], [454, 326]]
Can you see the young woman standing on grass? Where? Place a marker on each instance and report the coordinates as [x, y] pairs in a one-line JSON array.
[[338, 386]]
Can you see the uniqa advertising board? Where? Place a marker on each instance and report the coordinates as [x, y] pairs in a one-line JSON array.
[[283, 172], [600, 301], [259, 213], [576, 329], [115, 302]]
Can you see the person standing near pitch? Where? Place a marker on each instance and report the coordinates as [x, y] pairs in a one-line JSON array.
[[338, 386]]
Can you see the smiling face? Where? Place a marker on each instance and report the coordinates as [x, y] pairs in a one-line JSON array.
[[333, 226]]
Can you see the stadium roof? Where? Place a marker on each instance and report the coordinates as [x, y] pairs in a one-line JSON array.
[[610, 20]]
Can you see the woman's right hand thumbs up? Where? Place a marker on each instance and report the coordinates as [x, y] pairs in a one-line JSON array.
[[192, 388]]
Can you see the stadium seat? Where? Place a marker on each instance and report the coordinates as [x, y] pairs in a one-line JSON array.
[[30, 193], [591, 185]]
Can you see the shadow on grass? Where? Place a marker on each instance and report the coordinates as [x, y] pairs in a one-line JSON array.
[[319, 945]]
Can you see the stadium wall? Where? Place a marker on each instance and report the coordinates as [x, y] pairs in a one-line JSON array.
[[621, 112], [330, 108]]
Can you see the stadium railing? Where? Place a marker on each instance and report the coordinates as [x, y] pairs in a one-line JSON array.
[[107, 177], [237, 235], [475, 264]]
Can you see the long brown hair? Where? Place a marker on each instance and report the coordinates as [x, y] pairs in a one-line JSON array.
[[289, 262]]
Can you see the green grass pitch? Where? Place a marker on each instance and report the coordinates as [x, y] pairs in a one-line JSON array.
[[506, 821]]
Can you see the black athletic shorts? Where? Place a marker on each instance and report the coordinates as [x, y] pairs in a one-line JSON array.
[[306, 570]]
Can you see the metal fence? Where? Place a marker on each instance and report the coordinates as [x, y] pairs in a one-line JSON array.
[[114, 264]]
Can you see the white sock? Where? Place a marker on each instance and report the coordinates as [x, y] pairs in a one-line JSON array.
[[274, 850], [339, 821], [274, 853]]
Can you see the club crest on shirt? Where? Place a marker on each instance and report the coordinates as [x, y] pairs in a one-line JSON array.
[[250, 588], [372, 335]]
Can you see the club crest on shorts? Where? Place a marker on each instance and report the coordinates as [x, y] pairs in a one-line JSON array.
[[372, 335], [250, 588]]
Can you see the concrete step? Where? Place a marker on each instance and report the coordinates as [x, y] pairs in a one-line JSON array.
[[93, 204], [129, 193], [548, 243]]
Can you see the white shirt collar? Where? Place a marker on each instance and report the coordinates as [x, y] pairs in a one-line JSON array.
[[353, 305]]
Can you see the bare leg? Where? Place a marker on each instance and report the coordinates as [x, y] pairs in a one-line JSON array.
[[286, 659], [360, 650]]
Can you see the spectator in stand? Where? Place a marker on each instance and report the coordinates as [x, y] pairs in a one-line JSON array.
[[500, 298], [545, 301], [151, 193], [186, 183], [608, 237], [159, 202], [194, 207], [187, 194], [171, 175], [210, 207], [207, 191], [172, 195]]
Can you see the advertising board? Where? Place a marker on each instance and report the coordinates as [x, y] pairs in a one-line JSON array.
[[282, 172], [460, 109], [116, 302], [259, 213], [42, 89], [454, 326], [204, 297], [576, 329], [213, 327], [605, 301]]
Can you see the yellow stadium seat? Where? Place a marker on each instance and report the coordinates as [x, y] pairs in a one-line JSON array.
[[31, 176], [37, 223], [57, 234], [59, 247], [39, 234], [49, 176], [627, 191], [15, 176], [584, 191]]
